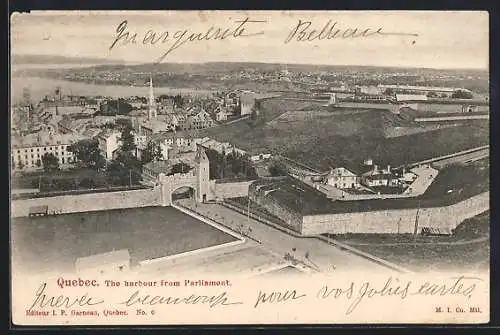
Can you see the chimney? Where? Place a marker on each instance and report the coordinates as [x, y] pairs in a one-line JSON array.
[[388, 168], [375, 168]]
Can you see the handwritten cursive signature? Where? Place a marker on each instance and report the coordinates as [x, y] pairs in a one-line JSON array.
[[303, 32], [184, 36], [43, 300], [212, 301]]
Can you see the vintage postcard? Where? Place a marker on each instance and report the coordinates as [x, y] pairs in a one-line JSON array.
[[249, 167]]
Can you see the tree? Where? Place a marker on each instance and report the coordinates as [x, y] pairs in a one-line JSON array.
[[127, 140], [179, 168], [461, 94], [178, 101], [125, 166], [88, 153], [254, 115], [125, 169], [118, 173], [432, 95], [38, 163], [276, 169], [389, 91], [152, 152], [123, 123], [50, 162], [116, 107]]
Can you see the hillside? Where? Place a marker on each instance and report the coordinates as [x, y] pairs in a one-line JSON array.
[[221, 67], [326, 140]]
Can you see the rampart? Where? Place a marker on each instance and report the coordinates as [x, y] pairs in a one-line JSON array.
[[390, 221], [232, 189], [90, 201], [399, 221]]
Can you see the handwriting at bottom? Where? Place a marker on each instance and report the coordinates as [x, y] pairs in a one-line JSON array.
[[221, 299], [277, 297]]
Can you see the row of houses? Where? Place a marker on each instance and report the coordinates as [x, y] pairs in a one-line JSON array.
[[368, 175]]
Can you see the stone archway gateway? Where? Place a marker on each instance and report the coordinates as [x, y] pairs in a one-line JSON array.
[[184, 192], [197, 179]]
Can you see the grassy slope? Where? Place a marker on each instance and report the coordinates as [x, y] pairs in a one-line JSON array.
[[465, 257], [337, 140]]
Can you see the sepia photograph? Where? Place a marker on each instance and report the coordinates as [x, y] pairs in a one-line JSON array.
[[249, 167]]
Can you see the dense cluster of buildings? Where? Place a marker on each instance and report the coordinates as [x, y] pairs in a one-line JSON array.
[[61, 120]]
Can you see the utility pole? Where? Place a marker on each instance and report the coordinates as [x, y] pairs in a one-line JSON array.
[[130, 177], [415, 232], [248, 212]]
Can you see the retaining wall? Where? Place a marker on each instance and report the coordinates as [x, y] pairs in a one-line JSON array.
[[90, 201], [396, 221], [232, 190], [292, 219]]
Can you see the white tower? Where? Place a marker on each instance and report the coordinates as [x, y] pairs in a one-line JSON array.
[[152, 107]]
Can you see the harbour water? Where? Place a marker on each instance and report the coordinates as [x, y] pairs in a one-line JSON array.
[[39, 87]]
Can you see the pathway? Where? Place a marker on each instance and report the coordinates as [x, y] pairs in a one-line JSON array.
[[327, 258]]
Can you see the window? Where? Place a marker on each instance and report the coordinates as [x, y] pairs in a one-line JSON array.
[[45, 149], [18, 151], [37, 149]]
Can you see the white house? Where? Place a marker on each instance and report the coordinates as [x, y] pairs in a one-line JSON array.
[[342, 178], [109, 142], [379, 177], [247, 102], [220, 114]]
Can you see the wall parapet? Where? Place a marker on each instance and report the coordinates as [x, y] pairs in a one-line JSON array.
[[445, 218], [90, 202]]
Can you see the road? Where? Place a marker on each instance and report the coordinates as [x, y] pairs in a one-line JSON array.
[[470, 157], [325, 257], [481, 151]]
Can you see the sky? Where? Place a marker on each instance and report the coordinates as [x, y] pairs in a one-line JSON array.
[[445, 39]]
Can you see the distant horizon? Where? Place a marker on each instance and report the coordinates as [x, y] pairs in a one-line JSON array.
[[116, 61]]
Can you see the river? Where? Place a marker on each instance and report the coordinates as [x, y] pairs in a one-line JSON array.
[[39, 87]]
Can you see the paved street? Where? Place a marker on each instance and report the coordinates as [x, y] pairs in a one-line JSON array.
[[326, 257]]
